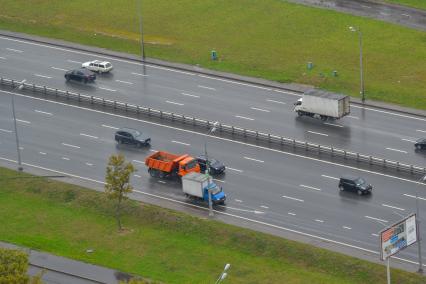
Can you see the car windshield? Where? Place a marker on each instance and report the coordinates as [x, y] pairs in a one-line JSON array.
[[215, 190], [360, 181], [108, 65], [191, 165], [135, 133]]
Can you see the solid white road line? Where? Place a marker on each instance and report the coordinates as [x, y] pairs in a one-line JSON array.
[[408, 140], [5, 130], [292, 198], [90, 136], [317, 133], [423, 131], [260, 109], [277, 102], [23, 121], [376, 219], [69, 145], [42, 76], [124, 82], [413, 196], [205, 87], [182, 143], [107, 89], [42, 153], [393, 207], [234, 82], [216, 137], [332, 124], [252, 159], [65, 158], [330, 177], [43, 112], [139, 162], [291, 213], [218, 212], [174, 103], [309, 187], [139, 74], [60, 69], [236, 170], [347, 228], [391, 113], [15, 50], [109, 126], [243, 117], [189, 95], [243, 210], [396, 150], [351, 116], [72, 61]]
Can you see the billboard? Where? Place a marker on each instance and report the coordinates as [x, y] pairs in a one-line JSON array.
[[398, 236]]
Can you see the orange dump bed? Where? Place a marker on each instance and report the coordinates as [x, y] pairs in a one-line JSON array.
[[163, 161]]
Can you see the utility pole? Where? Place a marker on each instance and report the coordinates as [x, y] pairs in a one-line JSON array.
[[361, 67], [207, 172], [19, 86], [419, 238], [141, 33]]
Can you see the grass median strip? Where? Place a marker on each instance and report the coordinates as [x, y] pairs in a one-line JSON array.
[[277, 45], [161, 244]]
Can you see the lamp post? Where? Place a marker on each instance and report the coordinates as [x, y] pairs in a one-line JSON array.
[[19, 86], [207, 172], [141, 33], [362, 91], [223, 274], [419, 239]]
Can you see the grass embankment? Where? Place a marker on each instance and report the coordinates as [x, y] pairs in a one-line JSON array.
[[271, 39], [410, 3], [162, 244]]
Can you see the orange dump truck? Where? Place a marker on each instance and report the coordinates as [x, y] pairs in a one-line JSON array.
[[163, 164]]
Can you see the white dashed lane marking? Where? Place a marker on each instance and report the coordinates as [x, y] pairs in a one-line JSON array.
[[42, 76], [205, 87], [90, 136], [317, 133], [43, 112], [310, 187], [107, 89], [413, 196], [14, 50], [252, 159], [189, 95], [292, 198], [109, 126], [396, 150], [347, 228], [319, 221], [332, 124], [376, 219], [23, 121], [139, 162], [244, 117], [277, 102], [393, 207], [42, 153], [330, 177], [139, 74], [72, 146], [174, 103], [182, 143], [60, 69], [65, 158], [291, 213], [124, 82], [73, 61], [260, 109], [236, 170]]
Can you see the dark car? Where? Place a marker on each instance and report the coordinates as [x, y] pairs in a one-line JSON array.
[[420, 144], [81, 75], [356, 184], [216, 167], [132, 137]]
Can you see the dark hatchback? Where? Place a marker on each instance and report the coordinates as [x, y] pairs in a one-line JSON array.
[[216, 167], [132, 137], [80, 75], [355, 184], [420, 144]]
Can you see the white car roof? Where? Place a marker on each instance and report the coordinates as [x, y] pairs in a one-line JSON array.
[[99, 62]]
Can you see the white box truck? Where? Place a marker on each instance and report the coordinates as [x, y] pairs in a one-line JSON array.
[[197, 186], [322, 104]]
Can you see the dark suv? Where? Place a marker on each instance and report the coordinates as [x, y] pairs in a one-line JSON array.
[[355, 184], [216, 167], [132, 137], [420, 144], [81, 75]]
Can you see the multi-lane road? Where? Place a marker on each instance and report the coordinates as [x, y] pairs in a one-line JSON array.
[[367, 130], [277, 188]]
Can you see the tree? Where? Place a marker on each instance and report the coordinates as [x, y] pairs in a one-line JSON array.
[[117, 180], [14, 266]]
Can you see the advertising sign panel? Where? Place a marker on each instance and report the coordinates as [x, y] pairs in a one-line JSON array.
[[398, 236]]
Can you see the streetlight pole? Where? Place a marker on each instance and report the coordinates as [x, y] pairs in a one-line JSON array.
[[20, 168], [419, 239], [207, 172], [361, 68], [141, 33], [223, 274]]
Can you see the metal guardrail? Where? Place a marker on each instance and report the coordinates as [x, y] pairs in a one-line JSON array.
[[229, 129]]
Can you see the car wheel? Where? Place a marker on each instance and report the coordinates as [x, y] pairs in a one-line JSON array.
[[341, 187], [359, 192]]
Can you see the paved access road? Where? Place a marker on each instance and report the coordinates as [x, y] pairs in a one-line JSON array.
[[402, 15], [275, 187], [366, 130]]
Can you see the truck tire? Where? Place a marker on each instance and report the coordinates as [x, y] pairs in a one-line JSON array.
[[162, 174], [299, 113], [152, 172], [323, 117]]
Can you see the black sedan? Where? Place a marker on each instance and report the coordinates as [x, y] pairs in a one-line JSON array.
[[81, 75], [216, 167], [132, 137], [420, 144]]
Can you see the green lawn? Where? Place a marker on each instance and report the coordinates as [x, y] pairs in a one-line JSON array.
[[270, 39], [411, 3], [164, 245]]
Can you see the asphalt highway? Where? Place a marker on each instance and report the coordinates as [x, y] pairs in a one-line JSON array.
[[367, 130], [271, 186]]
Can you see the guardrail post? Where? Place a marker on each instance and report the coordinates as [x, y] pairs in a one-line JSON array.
[[282, 141], [193, 121], [103, 102], [67, 95], [411, 169], [332, 151], [183, 117], [45, 91], [370, 160], [344, 156], [257, 135], [306, 146], [232, 130], [357, 157], [294, 143], [137, 110], [149, 111], [115, 105], [125, 107], [244, 132], [384, 163], [397, 166], [161, 114], [319, 149], [173, 116], [33, 88], [269, 138]]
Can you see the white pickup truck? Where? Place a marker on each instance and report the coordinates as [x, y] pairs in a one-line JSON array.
[[98, 66]]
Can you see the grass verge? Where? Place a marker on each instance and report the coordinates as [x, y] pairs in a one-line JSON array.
[[162, 244], [271, 39]]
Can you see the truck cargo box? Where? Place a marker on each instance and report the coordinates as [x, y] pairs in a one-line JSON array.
[[325, 103], [163, 161], [194, 183]]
